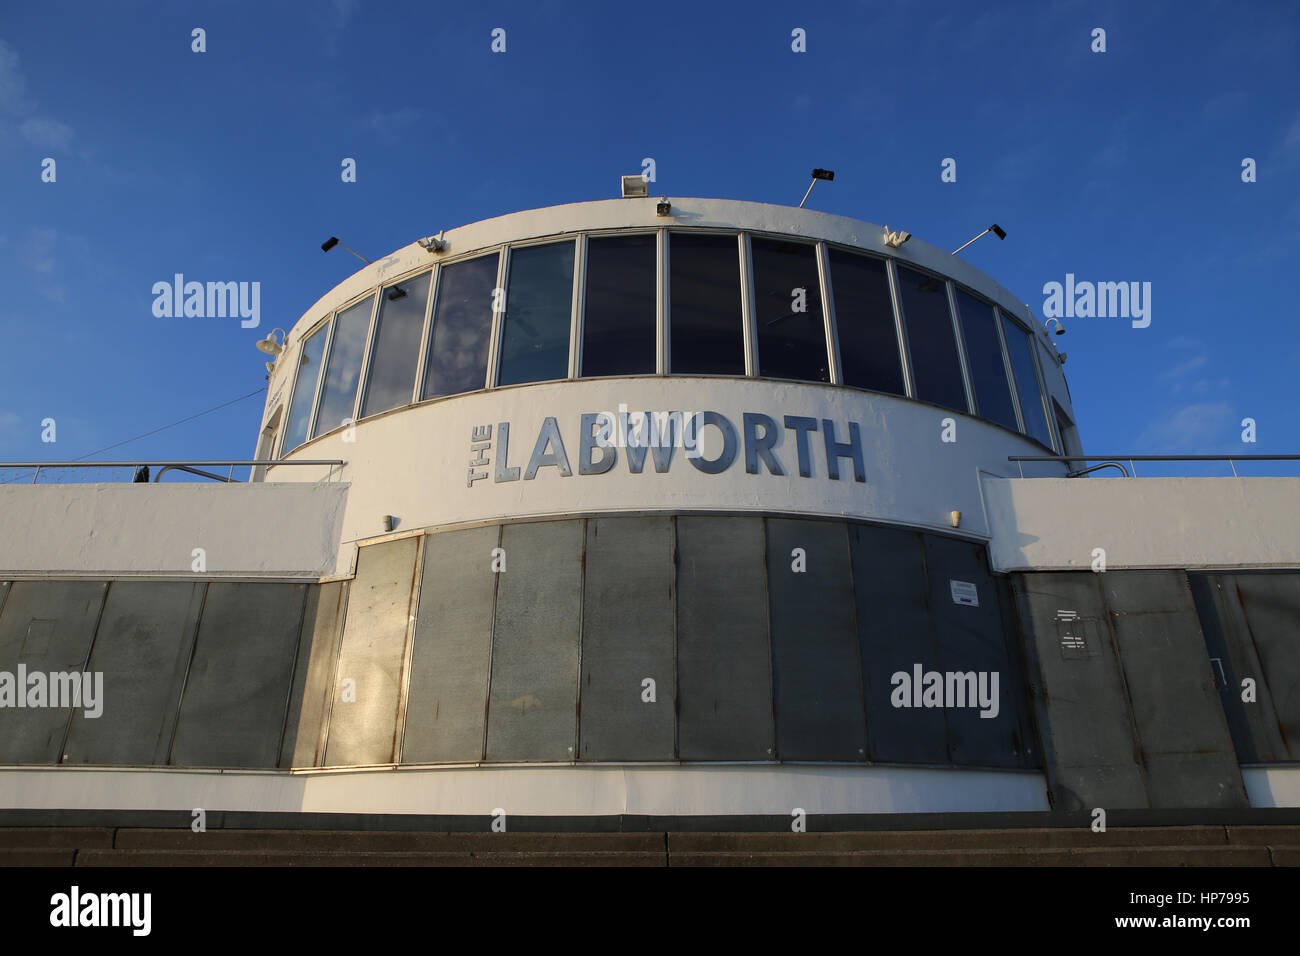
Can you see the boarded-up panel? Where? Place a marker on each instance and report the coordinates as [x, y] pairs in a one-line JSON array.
[[447, 707], [992, 729], [1176, 708], [896, 633], [1271, 605], [627, 637], [533, 709], [46, 627], [1092, 758], [232, 712], [816, 678], [1254, 726], [724, 658], [313, 675], [362, 730], [142, 648]]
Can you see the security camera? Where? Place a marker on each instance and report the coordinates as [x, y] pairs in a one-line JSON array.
[[433, 243], [896, 239]]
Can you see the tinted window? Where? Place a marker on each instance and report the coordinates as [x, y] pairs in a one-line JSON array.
[[935, 364], [344, 366], [984, 353], [396, 352], [462, 326], [304, 389], [539, 303], [708, 333], [864, 318], [1022, 366], [788, 306], [618, 335]]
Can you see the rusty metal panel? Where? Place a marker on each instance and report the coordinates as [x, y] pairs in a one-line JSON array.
[[724, 655], [816, 670], [532, 710], [368, 684], [318, 649], [237, 688], [447, 709], [628, 618], [142, 647], [46, 628]]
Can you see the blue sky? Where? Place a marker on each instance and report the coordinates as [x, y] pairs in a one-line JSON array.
[[1115, 166]]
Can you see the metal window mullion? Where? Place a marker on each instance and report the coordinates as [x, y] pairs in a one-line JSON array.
[[963, 358], [1044, 396], [578, 303], [663, 333], [748, 309], [900, 326], [828, 315], [363, 374], [426, 336], [320, 376], [498, 318], [1010, 371]]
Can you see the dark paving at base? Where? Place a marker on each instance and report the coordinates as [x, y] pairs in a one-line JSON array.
[[1212, 845]]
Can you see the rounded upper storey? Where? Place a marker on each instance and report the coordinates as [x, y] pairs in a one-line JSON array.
[[714, 288]]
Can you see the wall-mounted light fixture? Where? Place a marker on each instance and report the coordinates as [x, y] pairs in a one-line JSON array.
[[270, 345], [896, 239], [826, 174], [433, 243], [995, 229], [333, 241], [635, 187], [663, 207]]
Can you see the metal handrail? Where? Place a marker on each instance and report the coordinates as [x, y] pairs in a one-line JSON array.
[[181, 465], [1070, 459]]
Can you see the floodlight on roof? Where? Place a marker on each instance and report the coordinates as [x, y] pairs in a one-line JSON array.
[[635, 187]]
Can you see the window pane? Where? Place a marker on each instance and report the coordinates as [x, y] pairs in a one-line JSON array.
[[304, 389], [462, 326], [788, 306], [988, 373], [935, 363], [708, 331], [864, 318], [618, 334], [344, 366], [397, 345], [539, 304], [1022, 367]]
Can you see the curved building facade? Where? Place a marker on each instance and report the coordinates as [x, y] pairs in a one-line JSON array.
[[667, 508]]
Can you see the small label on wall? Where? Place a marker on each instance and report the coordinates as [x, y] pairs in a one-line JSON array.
[[963, 592]]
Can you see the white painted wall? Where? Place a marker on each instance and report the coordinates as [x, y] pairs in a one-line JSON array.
[[535, 791], [1046, 524], [413, 463], [94, 530]]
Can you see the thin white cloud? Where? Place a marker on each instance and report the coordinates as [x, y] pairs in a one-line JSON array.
[[1193, 429], [48, 133]]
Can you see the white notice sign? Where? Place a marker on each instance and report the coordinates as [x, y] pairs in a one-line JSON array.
[[963, 592]]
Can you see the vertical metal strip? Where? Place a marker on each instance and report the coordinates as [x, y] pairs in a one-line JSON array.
[[185, 680], [958, 333], [408, 650], [663, 290], [85, 666], [498, 317], [492, 644], [900, 324], [426, 337], [578, 305], [748, 308], [828, 314]]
